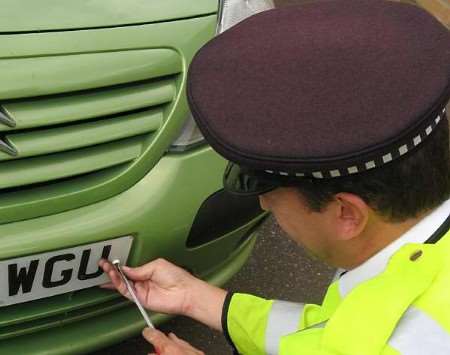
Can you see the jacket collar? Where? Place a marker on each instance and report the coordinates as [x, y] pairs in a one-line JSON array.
[[419, 233]]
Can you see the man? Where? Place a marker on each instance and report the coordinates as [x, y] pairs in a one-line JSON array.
[[334, 113]]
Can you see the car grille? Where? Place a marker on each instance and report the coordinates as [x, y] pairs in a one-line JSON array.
[[86, 130], [42, 314]]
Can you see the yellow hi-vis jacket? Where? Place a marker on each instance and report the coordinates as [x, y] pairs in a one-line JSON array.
[[404, 310]]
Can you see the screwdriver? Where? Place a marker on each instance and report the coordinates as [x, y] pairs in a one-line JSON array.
[[130, 289]]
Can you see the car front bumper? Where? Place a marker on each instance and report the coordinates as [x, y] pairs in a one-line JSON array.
[[158, 212]]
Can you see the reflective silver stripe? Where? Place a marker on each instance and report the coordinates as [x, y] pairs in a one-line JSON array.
[[318, 325], [284, 318], [419, 334]]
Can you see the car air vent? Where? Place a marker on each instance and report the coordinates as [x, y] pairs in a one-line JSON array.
[[53, 129]]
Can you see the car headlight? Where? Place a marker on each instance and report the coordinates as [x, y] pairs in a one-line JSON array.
[[190, 137], [231, 12]]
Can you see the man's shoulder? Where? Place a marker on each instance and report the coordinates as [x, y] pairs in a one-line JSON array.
[[418, 332]]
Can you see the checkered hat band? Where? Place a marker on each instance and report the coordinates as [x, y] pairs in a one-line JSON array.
[[370, 164]]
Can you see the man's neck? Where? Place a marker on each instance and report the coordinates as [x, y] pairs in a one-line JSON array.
[[378, 234], [430, 225]]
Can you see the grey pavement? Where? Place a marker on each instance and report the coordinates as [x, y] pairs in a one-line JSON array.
[[277, 268]]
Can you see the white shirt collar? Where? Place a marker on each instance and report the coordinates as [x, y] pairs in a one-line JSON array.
[[419, 233]]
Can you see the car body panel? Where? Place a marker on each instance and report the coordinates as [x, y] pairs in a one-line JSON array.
[[144, 209], [60, 73], [52, 15], [182, 37]]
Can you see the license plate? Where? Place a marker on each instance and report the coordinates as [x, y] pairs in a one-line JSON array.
[[43, 275]]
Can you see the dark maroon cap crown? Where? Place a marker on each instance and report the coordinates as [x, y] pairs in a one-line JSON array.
[[325, 89]]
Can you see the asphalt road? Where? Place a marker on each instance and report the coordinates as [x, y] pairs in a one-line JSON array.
[[277, 268]]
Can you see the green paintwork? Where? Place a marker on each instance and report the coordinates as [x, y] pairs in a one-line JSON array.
[[183, 37], [55, 73], [24, 203], [80, 161], [92, 133], [24, 15], [76, 107], [64, 109], [172, 191], [47, 307], [19, 331]]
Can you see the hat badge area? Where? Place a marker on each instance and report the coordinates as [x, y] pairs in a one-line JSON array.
[[374, 163], [5, 145]]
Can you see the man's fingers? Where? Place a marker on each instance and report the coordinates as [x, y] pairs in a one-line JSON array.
[[156, 338], [173, 337], [141, 273], [108, 286], [141, 292], [169, 345], [179, 341], [114, 276]]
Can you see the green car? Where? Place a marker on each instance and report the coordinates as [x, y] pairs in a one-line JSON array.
[[99, 156]]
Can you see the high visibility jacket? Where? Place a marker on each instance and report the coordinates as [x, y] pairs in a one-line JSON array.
[[403, 310]]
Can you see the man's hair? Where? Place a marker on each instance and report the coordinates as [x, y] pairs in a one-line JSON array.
[[404, 189]]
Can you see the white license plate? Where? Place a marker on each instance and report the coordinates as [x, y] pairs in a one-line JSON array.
[[43, 275]]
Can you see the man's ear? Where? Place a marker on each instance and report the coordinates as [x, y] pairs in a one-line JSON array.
[[352, 215]]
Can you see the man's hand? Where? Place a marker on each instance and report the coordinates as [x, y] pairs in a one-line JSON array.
[[159, 285], [164, 287], [169, 345]]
